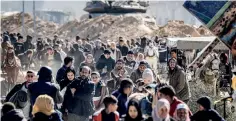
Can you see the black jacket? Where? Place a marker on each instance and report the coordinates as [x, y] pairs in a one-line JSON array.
[[61, 74], [14, 90], [206, 115], [124, 50], [81, 103], [28, 45], [102, 62], [42, 117], [44, 87], [64, 82], [13, 115], [19, 48]]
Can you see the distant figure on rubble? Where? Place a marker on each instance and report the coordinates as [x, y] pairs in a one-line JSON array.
[[152, 55], [123, 47]]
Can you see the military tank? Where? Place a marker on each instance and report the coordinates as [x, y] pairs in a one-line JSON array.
[[111, 6]]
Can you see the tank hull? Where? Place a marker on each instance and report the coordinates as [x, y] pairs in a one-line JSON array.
[[115, 10]]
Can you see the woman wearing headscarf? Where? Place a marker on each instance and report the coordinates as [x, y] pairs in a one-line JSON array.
[[133, 112], [69, 77], [161, 111], [182, 113], [89, 61], [43, 109], [148, 76]]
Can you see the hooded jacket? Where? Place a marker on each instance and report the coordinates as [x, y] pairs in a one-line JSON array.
[[13, 115], [208, 113], [135, 75], [178, 81], [44, 86]]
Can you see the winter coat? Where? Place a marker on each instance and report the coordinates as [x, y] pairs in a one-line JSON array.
[[89, 47], [102, 62], [98, 116], [101, 91], [122, 99], [78, 57], [116, 54], [130, 64], [13, 115], [90, 65], [28, 45], [61, 73], [116, 72], [135, 75], [15, 89], [44, 87], [81, 103], [179, 82], [97, 52], [19, 48], [124, 50], [64, 82], [206, 115], [42, 117]]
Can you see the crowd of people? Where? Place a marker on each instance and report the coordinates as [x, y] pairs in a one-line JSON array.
[[83, 80]]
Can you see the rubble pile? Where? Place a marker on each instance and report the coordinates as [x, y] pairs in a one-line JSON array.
[[176, 28], [109, 27], [204, 31], [200, 88], [13, 23]]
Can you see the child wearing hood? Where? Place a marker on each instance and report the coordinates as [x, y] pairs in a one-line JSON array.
[[206, 113], [161, 111]]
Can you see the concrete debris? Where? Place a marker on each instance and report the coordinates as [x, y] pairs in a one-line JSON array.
[[13, 23], [110, 27], [176, 28]]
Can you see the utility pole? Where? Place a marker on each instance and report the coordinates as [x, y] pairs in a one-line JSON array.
[[23, 17], [34, 36]]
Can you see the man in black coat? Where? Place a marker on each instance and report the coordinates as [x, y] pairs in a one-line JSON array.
[[19, 46], [206, 113], [24, 87], [78, 103], [68, 61], [44, 86], [105, 64], [28, 44]]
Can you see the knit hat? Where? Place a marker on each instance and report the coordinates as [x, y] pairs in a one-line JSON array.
[[130, 52], [6, 38], [182, 106], [107, 52], [205, 102]]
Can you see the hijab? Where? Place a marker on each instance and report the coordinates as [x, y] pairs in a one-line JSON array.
[[161, 103]]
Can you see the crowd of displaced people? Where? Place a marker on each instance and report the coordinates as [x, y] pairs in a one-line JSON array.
[[82, 80]]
